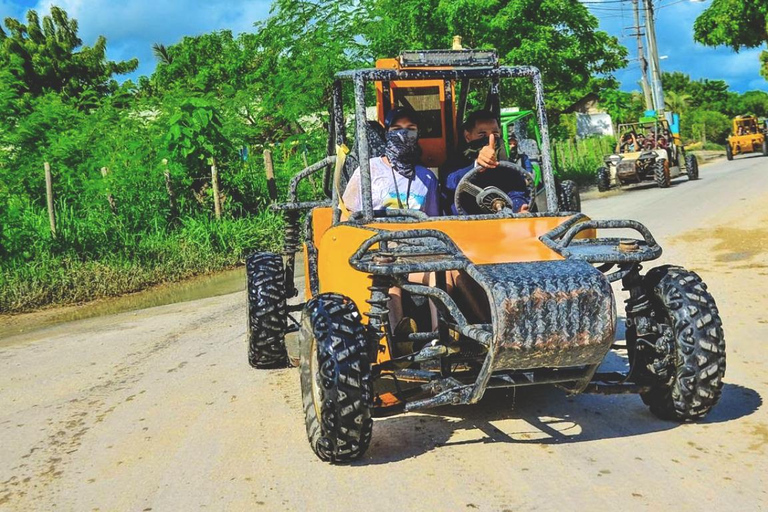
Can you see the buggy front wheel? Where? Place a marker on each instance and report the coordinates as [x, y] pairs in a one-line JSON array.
[[603, 179], [661, 173], [689, 319], [336, 383], [692, 166]]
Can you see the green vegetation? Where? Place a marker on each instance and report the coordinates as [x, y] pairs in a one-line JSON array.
[[735, 23], [131, 162], [579, 160], [707, 107]]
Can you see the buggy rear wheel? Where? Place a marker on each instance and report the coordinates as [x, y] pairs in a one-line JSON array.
[[267, 314], [690, 320], [603, 179], [570, 200], [336, 383], [692, 166], [661, 173]]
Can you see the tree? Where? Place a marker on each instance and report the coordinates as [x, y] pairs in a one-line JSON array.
[[675, 81], [560, 37], [49, 57], [704, 93], [754, 102], [206, 63], [714, 125], [160, 51], [735, 23], [623, 107], [677, 101], [301, 46]]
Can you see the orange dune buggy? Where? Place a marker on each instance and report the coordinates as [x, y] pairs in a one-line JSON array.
[[747, 137], [547, 310]]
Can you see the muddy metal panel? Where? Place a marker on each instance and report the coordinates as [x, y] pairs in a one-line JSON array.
[[551, 314]]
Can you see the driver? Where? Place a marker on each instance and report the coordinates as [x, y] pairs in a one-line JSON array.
[[482, 134]]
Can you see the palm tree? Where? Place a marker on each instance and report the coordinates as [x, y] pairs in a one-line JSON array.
[[161, 53], [677, 101]]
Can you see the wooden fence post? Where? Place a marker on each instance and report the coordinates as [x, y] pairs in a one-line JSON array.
[[270, 171], [169, 187], [215, 183], [49, 196], [110, 199]]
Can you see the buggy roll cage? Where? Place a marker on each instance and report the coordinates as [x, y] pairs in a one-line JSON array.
[[359, 78]]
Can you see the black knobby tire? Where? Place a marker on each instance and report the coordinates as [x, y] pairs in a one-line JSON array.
[[603, 179], [570, 200], [660, 174], [682, 302], [692, 166], [728, 151], [336, 382], [267, 313]]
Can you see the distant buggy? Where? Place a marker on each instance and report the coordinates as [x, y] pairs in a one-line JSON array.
[[647, 161]]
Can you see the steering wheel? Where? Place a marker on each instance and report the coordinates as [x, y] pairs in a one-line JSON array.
[[490, 199]]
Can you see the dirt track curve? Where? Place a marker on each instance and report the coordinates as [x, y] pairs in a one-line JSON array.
[[158, 410]]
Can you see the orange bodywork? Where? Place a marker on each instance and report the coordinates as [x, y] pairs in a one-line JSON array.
[[482, 241], [747, 137]]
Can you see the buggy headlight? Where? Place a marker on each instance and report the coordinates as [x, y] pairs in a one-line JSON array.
[[613, 160]]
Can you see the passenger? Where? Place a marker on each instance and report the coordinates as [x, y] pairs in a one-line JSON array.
[[397, 179], [516, 156], [640, 142], [628, 143], [482, 134], [650, 140], [662, 142]]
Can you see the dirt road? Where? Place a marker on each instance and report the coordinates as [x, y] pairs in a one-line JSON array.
[[158, 410]]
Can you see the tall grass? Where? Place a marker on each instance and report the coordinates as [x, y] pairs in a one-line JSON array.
[[579, 160], [200, 245]]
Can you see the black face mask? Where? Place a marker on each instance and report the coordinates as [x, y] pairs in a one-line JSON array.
[[473, 147], [403, 151]]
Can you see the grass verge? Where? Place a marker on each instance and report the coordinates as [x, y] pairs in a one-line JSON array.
[[196, 247]]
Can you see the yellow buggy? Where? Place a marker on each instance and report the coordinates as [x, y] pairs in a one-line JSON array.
[[547, 312], [747, 137]]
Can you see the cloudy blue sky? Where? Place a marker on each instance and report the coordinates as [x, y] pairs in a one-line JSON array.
[[132, 26], [674, 32]]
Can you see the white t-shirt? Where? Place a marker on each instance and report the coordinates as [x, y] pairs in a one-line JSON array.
[[386, 184]]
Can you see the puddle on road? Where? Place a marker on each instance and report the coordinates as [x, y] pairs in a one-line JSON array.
[[223, 283]]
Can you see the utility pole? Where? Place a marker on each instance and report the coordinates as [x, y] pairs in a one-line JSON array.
[[641, 56], [653, 56]]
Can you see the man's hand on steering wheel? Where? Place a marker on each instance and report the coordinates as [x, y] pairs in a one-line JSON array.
[[487, 156]]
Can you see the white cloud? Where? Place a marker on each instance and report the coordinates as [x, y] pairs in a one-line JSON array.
[[132, 27], [674, 33]]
